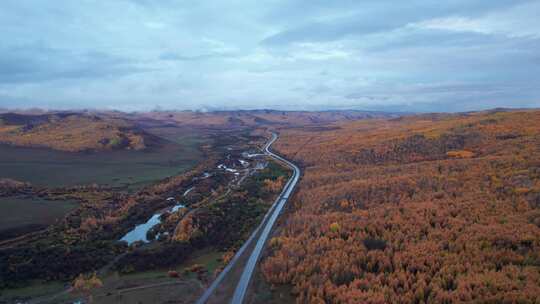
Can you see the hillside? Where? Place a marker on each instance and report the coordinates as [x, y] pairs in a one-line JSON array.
[[72, 132], [421, 209], [112, 130], [256, 118]]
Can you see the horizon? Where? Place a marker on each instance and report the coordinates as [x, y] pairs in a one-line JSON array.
[[225, 110]]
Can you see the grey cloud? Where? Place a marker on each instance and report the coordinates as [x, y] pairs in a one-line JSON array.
[[438, 88], [331, 30], [440, 97], [376, 17], [362, 54], [171, 56], [431, 38], [31, 63]]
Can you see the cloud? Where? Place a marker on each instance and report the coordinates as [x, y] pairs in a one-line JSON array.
[[454, 97], [289, 54], [497, 23], [37, 63], [375, 17], [172, 56]]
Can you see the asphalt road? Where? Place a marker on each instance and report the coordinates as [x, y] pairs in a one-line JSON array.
[[266, 225]]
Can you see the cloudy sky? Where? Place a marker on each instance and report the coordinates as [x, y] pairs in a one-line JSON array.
[[414, 55]]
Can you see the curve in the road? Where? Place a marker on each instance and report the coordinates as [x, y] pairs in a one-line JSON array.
[[273, 213]]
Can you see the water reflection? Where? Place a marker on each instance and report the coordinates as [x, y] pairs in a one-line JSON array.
[[139, 232]]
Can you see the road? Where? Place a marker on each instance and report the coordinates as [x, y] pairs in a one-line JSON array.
[[266, 225]]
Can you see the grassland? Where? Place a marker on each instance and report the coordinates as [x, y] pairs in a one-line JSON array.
[[52, 168], [153, 286], [31, 291], [65, 149], [19, 214]]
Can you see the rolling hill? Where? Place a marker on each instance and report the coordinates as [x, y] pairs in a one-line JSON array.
[[73, 132]]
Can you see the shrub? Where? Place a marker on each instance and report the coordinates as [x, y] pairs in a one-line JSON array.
[[87, 282], [173, 274], [460, 154], [334, 227]]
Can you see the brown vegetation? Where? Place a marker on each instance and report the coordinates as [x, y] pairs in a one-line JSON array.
[[274, 186], [87, 283], [420, 209], [70, 132], [257, 118]]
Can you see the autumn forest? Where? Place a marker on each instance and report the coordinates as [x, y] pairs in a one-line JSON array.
[[431, 208]]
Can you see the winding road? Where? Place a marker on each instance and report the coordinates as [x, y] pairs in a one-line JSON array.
[[266, 225]]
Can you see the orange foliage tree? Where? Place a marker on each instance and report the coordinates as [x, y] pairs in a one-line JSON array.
[[420, 209]]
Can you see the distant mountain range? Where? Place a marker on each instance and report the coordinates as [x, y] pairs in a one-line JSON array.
[[87, 130]]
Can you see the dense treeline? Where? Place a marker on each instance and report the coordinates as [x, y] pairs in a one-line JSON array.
[[421, 209]]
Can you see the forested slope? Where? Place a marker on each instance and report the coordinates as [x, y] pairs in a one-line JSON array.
[[420, 209]]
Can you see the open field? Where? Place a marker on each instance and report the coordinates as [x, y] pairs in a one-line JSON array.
[[154, 286], [51, 168], [20, 214], [33, 290]]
